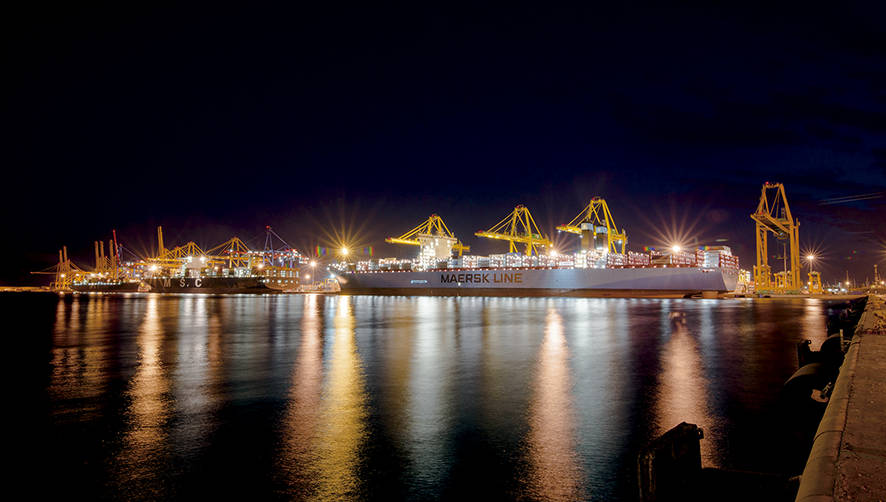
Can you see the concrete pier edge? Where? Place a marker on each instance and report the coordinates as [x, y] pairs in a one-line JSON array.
[[824, 478]]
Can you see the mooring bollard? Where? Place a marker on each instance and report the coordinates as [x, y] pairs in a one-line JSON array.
[[669, 465]]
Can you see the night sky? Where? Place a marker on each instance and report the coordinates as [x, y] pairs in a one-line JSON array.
[[362, 121]]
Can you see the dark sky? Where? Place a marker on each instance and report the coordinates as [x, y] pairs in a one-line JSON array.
[[215, 121]]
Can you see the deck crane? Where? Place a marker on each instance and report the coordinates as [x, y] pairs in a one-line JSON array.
[[518, 227], [435, 239], [774, 215], [597, 228]]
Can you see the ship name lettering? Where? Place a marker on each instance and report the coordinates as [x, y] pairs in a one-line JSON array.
[[198, 282], [499, 277], [181, 282], [166, 281]]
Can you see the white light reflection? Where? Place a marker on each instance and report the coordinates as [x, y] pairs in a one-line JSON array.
[[683, 387], [430, 399], [554, 472]]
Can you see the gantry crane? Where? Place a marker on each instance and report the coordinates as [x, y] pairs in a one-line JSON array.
[[65, 272], [232, 253], [426, 233], [517, 227], [595, 223], [774, 215]]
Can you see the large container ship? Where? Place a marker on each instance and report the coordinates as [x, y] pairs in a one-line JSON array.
[[601, 268], [666, 280]]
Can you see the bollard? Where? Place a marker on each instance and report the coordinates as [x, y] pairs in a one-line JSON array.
[[669, 466]]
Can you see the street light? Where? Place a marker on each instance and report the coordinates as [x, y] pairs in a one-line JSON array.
[[811, 259]]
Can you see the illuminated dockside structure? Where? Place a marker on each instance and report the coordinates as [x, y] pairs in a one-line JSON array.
[[602, 267]]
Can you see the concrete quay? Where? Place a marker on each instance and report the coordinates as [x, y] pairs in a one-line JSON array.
[[848, 457]]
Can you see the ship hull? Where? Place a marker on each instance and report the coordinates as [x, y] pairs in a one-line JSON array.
[[670, 282], [208, 285], [123, 287]]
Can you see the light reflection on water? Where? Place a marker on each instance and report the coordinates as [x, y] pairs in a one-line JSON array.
[[393, 397], [554, 472]]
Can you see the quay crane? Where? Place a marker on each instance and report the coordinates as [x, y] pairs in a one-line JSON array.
[[435, 240], [65, 272], [597, 228], [428, 230], [517, 227], [774, 215]]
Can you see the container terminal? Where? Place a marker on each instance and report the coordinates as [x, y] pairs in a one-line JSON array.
[[602, 266]]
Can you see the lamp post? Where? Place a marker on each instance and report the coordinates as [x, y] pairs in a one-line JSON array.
[[810, 258]]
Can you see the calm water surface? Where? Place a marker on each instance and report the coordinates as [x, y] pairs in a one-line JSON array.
[[338, 397]]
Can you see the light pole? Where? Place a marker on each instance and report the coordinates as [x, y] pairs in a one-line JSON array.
[[313, 269], [810, 258]]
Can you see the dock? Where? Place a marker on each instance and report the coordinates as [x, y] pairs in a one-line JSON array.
[[848, 457]]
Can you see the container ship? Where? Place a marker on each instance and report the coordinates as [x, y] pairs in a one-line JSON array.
[[230, 267], [601, 268]]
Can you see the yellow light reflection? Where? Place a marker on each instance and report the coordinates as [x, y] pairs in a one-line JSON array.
[[302, 419], [554, 473], [344, 412], [148, 411]]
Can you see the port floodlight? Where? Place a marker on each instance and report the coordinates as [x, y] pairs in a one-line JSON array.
[[676, 248], [313, 263], [810, 257], [344, 251], [307, 276]]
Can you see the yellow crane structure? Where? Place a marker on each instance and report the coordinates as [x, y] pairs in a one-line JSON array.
[[173, 258], [518, 228], [65, 272], [773, 215], [814, 283], [426, 232], [233, 253], [596, 226]]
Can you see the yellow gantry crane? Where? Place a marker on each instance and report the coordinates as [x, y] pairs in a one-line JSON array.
[[65, 272], [594, 223], [774, 215], [432, 228], [233, 253], [518, 227]]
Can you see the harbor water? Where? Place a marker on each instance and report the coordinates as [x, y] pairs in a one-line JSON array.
[[143, 396]]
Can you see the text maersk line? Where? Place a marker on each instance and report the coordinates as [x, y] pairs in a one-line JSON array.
[[483, 278]]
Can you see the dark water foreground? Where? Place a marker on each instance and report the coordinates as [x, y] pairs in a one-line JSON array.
[[286, 396]]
